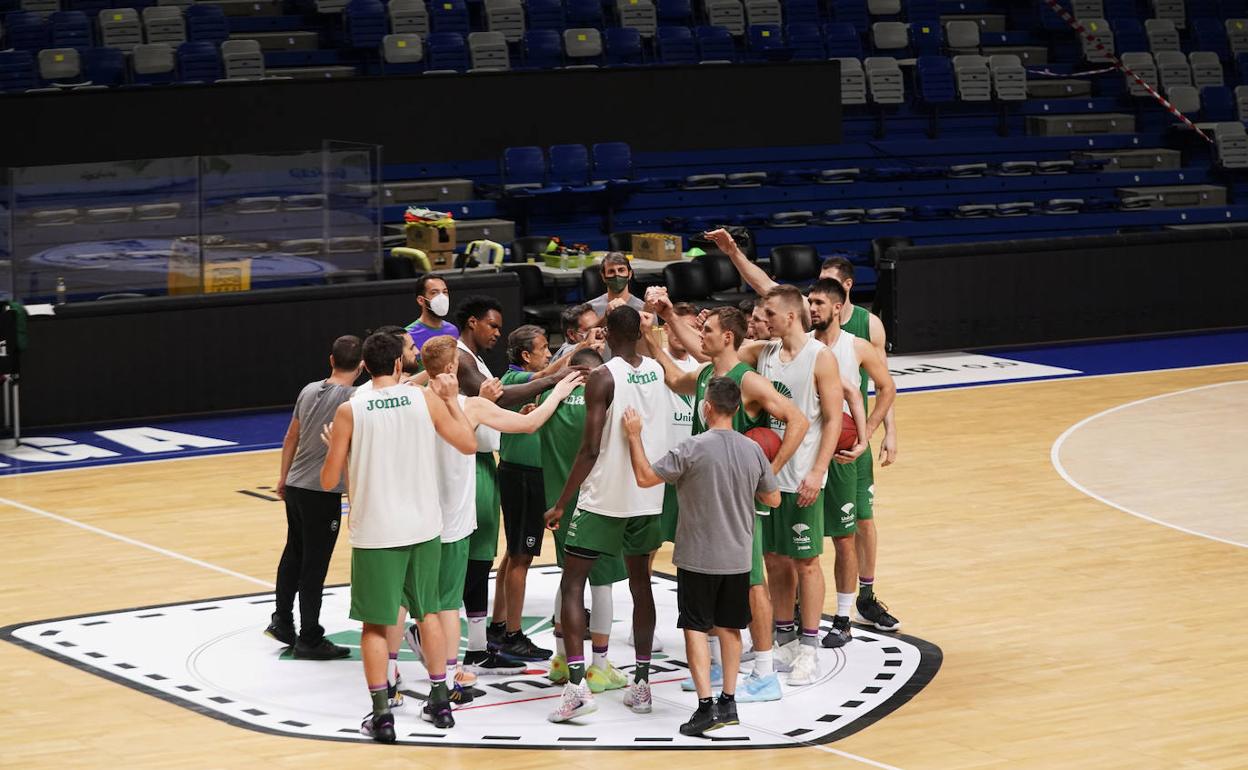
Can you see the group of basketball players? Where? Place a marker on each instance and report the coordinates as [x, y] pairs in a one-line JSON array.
[[630, 435]]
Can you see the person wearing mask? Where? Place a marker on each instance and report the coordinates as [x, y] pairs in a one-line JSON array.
[[434, 300]]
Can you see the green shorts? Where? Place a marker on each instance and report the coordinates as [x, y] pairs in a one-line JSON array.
[[667, 519], [756, 564], [793, 531], [483, 542], [452, 572], [606, 569], [614, 536], [840, 500], [384, 578]]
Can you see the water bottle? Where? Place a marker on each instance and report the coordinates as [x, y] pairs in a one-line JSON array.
[[60, 291]]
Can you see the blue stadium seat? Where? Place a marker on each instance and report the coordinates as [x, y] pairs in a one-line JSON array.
[[69, 29], [923, 12], [767, 43], [676, 46], [366, 24], [805, 41], [613, 162], [26, 31], [544, 14], [90, 7], [716, 44], [1210, 35], [17, 71], [852, 12], [926, 38], [446, 51], [104, 66], [1217, 104], [449, 16], [674, 12], [1119, 9], [1050, 21], [583, 13], [199, 63], [524, 171], [569, 169], [842, 41], [1203, 9], [800, 11], [206, 22], [934, 78], [1129, 36], [622, 46], [543, 49]]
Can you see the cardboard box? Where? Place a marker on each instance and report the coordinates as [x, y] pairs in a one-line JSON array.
[[657, 247], [429, 239], [443, 259]]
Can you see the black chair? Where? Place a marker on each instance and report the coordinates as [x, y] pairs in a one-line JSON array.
[[592, 284], [688, 282], [621, 241], [397, 268], [725, 281], [794, 263], [529, 246], [538, 309]]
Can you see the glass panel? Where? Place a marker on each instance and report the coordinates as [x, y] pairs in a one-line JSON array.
[[352, 174]]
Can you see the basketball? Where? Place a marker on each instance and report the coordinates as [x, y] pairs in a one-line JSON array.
[[766, 438], [849, 433]]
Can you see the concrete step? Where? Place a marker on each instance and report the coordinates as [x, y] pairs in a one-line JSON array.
[[1152, 159], [313, 73], [281, 41], [1177, 196], [1058, 88], [1079, 125]]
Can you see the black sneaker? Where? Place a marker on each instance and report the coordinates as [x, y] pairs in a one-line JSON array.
[[439, 714], [520, 647], [282, 631], [379, 727], [873, 613], [702, 721], [839, 636], [460, 695], [488, 662], [727, 711], [322, 650], [494, 633]]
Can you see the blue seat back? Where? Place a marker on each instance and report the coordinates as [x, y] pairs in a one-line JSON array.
[[926, 38], [800, 11], [676, 46], [543, 48], [448, 16], [1217, 104], [544, 14], [842, 41], [852, 12], [674, 12], [622, 45], [69, 29], [1129, 36], [446, 51], [524, 165], [805, 41], [569, 165], [1210, 35], [17, 71], [199, 62], [366, 23], [207, 23], [716, 44], [104, 66], [612, 160], [583, 13], [934, 78], [26, 31]]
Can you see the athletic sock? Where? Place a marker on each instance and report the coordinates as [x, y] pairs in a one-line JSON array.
[[392, 667], [576, 669], [381, 701], [437, 689], [763, 665], [704, 705], [451, 665], [786, 631], [476, 632], [600, 657], [866, 588], [642, 672], [511, 636], [810, 637], [560, 649], [844, 603], [727, 697], [498, 628], [716, 657]]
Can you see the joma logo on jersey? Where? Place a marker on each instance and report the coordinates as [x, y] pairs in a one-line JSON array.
[[642, 379], [388, 403]]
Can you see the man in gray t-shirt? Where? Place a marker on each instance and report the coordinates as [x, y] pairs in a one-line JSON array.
[[718, 475], [313, 515]]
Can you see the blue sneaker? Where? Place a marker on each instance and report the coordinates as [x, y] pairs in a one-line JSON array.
[[717, 679], [756, 689]]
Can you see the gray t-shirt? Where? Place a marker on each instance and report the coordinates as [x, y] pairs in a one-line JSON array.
[[717, 474], [314, 407], [599, 304]]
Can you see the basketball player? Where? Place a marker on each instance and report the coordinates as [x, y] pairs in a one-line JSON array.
[[561, 440], [723, 332], [395, 530], [719, 474], [613, 516], [457, 487], [312, 514], [864, 325], [853, 356]]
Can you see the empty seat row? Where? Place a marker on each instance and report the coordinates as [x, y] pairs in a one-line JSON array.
[[1172, 68], [542, 48], [151, 63], [572, 168]]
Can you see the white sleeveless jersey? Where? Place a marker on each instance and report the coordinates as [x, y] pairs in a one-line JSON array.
[[393, 444], [488, 439], [796, 379], [611, 488], [847, 361], [682, 405], [457, 485]]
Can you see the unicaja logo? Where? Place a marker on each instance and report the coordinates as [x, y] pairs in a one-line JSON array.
[[799, 533]]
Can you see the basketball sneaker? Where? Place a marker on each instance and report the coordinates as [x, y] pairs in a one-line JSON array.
[[840, 635], [656, 644], [575, 701], [702, 721], [717, 679], [520, 647], [482, 662], [281, 630], [758, 689], [494, 633], [727, 711], [394, 692], [805, 667], [412, 637], [873, 612], [602, 679], [379, 727], [558, 669], [439, 714], [322, 650], [638, 698], [785, 655], [460, 695]]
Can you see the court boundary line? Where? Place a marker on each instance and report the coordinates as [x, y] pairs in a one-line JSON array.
[[1056, 460]]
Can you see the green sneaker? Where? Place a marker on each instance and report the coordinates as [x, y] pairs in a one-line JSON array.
[[603, 679], [558, 669]]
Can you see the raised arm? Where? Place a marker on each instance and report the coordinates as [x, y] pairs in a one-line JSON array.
[[599, 393], [290, 445], [483, 412], [751, 273], [448, 419], [676, 379], [689, 338], [339, 442], [642, 470], [755, 389], [885, 388]]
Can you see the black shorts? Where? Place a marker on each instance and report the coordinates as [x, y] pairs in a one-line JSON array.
[[712, 600], [523, 499]]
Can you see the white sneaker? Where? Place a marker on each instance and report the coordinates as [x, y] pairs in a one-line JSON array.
[[576, 701], [805, 667], [786, 654], [656, 644], [638, 698], [412, 637]]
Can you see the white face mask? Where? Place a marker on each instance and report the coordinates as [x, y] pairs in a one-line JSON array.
[[440, 304]]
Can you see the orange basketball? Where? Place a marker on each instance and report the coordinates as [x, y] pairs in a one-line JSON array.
[[766, 438], [849, 433]]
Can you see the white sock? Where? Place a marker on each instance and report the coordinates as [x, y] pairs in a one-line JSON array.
[[559, 648], [476, 633], [716, 658], [600, 659], [762, 663], [602, 607], [844, 602]]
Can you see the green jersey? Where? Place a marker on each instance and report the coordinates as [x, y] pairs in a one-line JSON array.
[[859, 325], [741, 422], [520, 448], [560, 440]]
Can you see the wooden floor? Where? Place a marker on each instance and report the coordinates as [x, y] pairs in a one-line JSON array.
[[1074, 634]]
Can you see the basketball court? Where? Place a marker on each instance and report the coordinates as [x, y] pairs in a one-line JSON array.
[[1063, 538]]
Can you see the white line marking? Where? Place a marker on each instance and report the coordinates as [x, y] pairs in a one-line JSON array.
[[132, 541], [1056, 460]]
